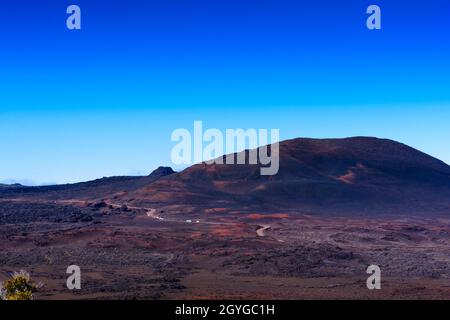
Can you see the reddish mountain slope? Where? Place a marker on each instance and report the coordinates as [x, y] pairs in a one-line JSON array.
[[355, 175]]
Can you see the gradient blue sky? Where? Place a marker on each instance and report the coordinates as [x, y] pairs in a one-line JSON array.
[[77, 105]]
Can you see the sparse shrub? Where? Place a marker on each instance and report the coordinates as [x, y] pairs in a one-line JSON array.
[[19, 287]]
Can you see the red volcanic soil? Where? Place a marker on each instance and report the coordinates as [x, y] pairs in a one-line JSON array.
[[335, 207], [265, 216], [354, 176], [132, 256]]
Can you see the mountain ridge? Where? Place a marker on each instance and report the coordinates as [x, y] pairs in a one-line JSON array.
[[356, 175], [323, 175]]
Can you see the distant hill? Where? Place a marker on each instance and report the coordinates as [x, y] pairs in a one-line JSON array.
[[10, 186], [91, 190], [359, 175], [352, 176]]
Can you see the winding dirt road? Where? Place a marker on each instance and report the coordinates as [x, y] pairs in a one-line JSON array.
[[261, 230]]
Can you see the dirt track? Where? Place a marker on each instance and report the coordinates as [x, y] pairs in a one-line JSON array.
[[125, 254]]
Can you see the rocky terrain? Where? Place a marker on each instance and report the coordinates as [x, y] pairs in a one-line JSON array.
[[214, 232]]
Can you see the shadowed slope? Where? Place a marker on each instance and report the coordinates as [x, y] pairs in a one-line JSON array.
[[354, 175], [90, 190]]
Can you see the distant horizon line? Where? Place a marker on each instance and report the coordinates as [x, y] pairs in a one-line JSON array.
[[31, 183]]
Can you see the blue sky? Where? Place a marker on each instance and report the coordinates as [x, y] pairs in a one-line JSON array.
[[102, 101]]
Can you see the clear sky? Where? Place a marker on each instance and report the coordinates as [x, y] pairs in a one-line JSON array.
[[104, 100]]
